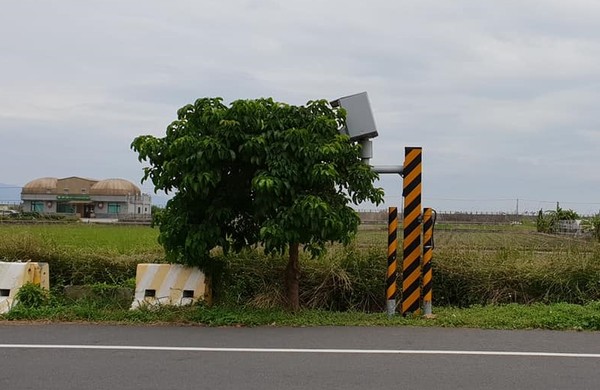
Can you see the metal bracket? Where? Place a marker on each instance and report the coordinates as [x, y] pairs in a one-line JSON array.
[[398, 169]]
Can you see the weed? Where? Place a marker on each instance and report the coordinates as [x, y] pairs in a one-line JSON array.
[[487, 266], [32, 296], [560, 316]]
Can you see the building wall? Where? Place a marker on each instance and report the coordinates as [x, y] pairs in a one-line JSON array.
[[48, 203], [74, 186], [128, 205], [105, 206]]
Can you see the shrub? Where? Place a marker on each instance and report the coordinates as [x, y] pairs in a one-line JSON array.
[[344, 279], [547, 222], [592, 225], [468, 268], [32, 296]]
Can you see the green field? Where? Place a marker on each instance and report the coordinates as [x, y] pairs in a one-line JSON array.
[[82, 253], [484, 276], [130, 239], [101, 238], [472, 265]]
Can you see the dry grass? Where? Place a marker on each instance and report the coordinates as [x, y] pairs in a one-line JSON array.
[[470, 267]]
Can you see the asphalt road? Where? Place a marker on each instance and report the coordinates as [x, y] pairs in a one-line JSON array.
[[77, 356]]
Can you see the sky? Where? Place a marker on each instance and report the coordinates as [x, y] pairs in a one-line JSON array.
[[503, 96]]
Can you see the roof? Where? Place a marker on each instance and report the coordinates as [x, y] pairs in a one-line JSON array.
[[113, 187], [40, 186], [108, 187]]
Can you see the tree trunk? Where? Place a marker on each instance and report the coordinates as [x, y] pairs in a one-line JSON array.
[[292, 278]]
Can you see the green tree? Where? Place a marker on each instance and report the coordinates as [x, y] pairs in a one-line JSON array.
[[256, 172], [547, 222], [595, 222], [592, 225]]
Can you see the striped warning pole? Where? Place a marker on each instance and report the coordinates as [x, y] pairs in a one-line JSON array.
[[390, 286], [427, 256], [411, 265]]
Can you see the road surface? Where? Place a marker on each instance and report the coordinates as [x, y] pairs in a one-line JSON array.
[[81, 356]]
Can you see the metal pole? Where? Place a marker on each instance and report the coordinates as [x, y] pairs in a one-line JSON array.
[[427, 256], [392, 265], [391, 260]]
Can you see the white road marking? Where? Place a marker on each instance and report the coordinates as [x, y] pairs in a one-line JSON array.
[[301, 350]]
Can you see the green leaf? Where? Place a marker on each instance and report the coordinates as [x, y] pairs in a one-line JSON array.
[[256, 171]]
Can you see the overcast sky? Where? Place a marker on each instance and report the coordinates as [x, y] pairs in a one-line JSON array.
[[503, 96]]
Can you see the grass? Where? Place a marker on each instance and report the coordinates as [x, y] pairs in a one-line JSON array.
[[479, 277], [508, 265], [90, 237], [512, 316], [80, 253]]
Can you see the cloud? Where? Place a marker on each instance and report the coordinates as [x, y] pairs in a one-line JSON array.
[[502, 96]]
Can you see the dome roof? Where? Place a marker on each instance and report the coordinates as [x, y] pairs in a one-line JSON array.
[[40, 186], [118, 187]]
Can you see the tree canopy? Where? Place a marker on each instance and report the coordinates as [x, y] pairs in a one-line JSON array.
[[256, 172]]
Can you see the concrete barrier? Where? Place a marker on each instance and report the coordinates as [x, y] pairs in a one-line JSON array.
[[169, 284], [14, 275]]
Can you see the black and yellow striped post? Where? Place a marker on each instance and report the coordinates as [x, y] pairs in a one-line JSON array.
[[427, 256], [411, 265], [392, 266]]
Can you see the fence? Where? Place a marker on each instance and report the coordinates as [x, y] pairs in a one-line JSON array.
[[380, 217]]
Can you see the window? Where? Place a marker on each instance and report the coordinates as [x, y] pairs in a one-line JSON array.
[[37, 206], [65, 207], [114, 208], [139, 210]]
